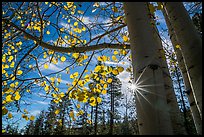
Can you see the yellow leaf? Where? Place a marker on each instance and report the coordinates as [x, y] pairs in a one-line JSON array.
[[52, 79], [4, 110], [151, 8], [12, 85], [32, 117], [114, 58], [59, 80], [10, 115], [10, 58], [19, 72], [97, 68], [26, 118], [160, 6], [105, 86], [92, 101], [88, 121], [16, 83], [115, 9], [46, 88], [3, 130], [56, 101], [25, 111], [46, 66], [57, 111], [78, 105], [104, 91], [48, 32], [62, 94], [75, 23], [18, 96], [63, 58], [115, 72], [71, 114], [125, 38], [120, 69], [74, 75], [75, 55], [115, 52], [99, 99], [118, 18], [102, 58], [178, 46], [123, 52], [109, 80], [9, 98], [96, 4], [83, 28]]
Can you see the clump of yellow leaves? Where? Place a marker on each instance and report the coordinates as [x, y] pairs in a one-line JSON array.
[[94, 101], [102, 58], [76, 74]]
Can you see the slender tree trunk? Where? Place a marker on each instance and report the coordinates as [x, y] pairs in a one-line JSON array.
[[182, 99], [191, 46], [111, 111], [193, 107], [175, 114], [96, 119], [152, 108]]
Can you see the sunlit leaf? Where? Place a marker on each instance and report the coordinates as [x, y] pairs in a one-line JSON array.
[[75, 55], [178, 46], [48, 32], [63, 58], [99, 99], [10, 115], [32, 117], [114, 58], [57, 111], [115, 52], [120, 69], [109, 80], [75, 23], [115, 72], [18, 96], [104, 91], [125, 38], [19, 72], [9, 98], [46, 66], [4, 110]]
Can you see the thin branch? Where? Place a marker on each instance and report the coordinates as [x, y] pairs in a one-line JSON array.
[[73, 49]]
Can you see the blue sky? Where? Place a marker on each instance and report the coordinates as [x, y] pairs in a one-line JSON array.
[[38, 102]]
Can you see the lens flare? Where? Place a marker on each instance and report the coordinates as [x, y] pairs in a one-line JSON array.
[[140, 88]]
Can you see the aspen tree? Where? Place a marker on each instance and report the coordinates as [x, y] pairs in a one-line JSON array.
[[190, 45], [193, 107], [152, 108]]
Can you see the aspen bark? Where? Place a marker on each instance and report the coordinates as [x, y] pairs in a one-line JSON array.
[[152, 108], [175, 114], [193, 107], [191, 46]]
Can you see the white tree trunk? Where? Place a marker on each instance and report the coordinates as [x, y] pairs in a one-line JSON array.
[[193, 107], [175, 114], [191, 46], [152, 108]]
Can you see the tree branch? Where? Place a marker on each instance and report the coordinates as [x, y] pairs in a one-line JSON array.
[[73, 49]]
